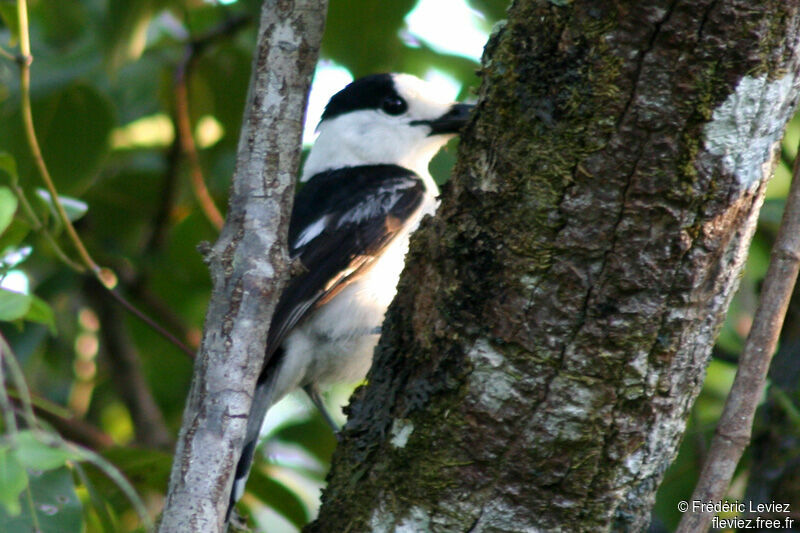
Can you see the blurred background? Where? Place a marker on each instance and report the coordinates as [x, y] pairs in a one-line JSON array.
[[137, 106]]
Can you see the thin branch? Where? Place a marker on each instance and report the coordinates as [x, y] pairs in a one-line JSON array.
[[33, 142], [156, 239], [6, 54], [39, 227], [736, 423], [248, 266], [18, 378], [67, 425], [5, 405], [183, 120], [136, 282], [114, 293], [119, 480]]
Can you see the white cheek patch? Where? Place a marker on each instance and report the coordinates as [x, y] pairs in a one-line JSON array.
[[743, 133]]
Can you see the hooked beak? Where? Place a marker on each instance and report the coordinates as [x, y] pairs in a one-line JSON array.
[[451, 122]]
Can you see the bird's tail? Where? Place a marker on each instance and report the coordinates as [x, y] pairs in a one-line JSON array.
[[263, 398]]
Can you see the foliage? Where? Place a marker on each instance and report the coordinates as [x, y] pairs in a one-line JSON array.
[[104, 85]]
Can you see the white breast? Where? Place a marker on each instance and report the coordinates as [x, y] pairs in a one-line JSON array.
[[335, 343]]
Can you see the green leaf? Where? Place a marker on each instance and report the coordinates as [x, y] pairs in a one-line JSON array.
[[13, 481], [13, 305], [9, 165], [367, 50], [8, 206], [13, 256], [74, 208], [73, 125], [12, 238], [127, 22], [50, 506], [35, 454], [8, 12], [41, 313]]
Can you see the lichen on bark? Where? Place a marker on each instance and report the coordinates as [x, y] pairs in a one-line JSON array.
[[554, 321]]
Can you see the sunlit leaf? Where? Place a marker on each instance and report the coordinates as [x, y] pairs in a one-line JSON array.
[[12, 237], [126, 29], [13, 305], [8, 206], [14, 256], [41, 313], [13, 480], [74, 208], [35, 454]]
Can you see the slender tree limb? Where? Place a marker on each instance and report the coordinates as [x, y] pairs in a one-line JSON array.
[[157, 236], [4, 53], [248, 267], [183, 121], [17, 377], [155, 326], [188, 146], [33, 142], [775, 463], [66, 424], [736, 423], [9, 418]]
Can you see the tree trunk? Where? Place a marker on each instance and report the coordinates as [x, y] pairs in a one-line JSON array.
[[554, 321], [248, 265]]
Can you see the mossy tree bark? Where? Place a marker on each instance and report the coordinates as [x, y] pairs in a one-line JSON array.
[[554, 321]]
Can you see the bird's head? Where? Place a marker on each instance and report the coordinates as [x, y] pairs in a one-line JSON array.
[[384, 119]]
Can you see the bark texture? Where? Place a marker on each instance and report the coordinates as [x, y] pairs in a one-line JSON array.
[[554, 321], [248, 266], [735, 425]]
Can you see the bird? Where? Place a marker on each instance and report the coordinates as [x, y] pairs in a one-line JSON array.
[[365, 187]]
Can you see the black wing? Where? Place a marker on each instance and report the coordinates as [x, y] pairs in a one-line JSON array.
[[341, 221]]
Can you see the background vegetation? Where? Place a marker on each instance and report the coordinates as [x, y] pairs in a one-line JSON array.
[[111, 83]]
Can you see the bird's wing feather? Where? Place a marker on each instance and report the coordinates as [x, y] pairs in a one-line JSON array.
[[341, 222]]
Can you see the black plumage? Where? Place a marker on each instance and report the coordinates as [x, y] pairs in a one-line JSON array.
[[363, 209]]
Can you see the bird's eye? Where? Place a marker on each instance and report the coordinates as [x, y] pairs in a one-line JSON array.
[[394, 105]]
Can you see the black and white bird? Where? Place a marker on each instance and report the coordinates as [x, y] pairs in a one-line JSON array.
[[366, 188]]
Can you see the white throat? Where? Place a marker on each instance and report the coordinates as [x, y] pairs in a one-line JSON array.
[[356, 140]]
